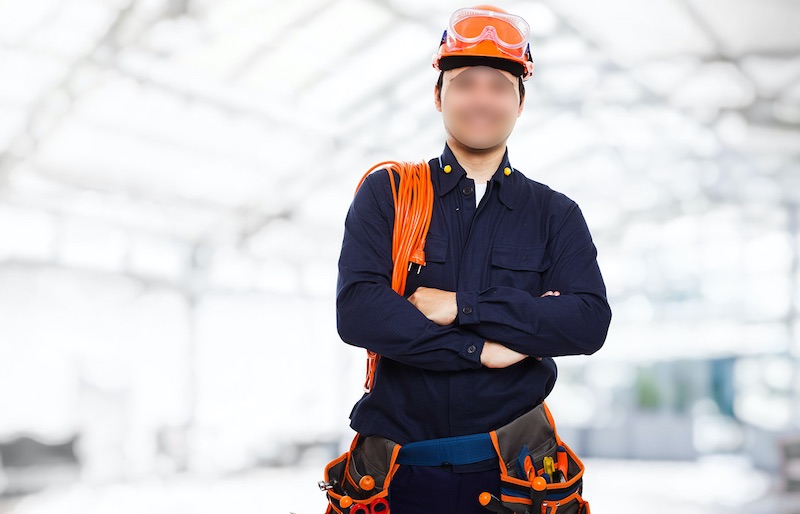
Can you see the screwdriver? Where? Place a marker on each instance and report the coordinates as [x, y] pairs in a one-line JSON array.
[[563, 465], [491, 502], [345, 501], [538, 492], [367, 483]]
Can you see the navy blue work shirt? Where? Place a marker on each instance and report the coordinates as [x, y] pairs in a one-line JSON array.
[[521, 240]]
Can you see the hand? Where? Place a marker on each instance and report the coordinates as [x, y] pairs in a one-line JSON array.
[[548, 293], [495, 355], [437, 305]]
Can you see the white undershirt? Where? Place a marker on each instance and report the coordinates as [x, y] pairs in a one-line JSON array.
[[480, 190]]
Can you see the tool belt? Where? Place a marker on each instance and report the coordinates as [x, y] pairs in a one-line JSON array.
[[528, 450]]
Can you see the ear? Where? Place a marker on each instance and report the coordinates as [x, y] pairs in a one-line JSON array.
[[437, 98], [521, 106]]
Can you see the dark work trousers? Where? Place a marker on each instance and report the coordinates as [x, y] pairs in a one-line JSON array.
[[437, 490]]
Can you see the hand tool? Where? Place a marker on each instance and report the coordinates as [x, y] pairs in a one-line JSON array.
[[562, 463], [359, 508], [379, 506], [538, 492], [345, 501], [491, 502], [367, 483], [549, 469]]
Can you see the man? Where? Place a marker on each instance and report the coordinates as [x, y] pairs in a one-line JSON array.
[[511, 278]]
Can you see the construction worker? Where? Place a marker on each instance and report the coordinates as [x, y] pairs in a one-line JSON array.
[[510, 281]]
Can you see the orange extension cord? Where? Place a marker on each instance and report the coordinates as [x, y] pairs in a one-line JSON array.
[[413, 207]]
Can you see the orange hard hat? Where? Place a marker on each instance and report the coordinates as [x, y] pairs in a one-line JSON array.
[[486, 35]]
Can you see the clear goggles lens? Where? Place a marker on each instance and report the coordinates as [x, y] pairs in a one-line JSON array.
[[469, 27]]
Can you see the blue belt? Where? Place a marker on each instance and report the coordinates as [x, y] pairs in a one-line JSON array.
[[465, 449]]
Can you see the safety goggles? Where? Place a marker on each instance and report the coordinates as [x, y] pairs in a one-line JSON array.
[[469, 26]]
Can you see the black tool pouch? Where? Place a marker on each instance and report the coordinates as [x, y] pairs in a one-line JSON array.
[[534, 434], [373, 457]]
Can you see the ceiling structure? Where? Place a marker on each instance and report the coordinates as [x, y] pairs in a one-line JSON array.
[[174, 177], [212, 148]]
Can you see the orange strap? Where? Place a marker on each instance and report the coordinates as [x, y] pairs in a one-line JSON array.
[[413, 207]]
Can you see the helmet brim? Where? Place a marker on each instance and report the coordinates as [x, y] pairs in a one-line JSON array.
[[451, 62]]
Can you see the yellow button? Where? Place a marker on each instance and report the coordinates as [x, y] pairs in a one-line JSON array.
[[448, 168], [507, 171]]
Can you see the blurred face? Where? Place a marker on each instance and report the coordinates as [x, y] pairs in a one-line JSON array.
[[480, 105]]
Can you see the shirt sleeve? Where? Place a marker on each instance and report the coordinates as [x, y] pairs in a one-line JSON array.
[[574, 323], [369, 313]]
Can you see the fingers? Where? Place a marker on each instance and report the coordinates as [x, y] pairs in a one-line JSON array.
[[551, 293], [416, 296], [496, 355]]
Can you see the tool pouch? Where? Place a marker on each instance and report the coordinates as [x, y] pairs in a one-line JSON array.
[[534, 434], [374, 456]]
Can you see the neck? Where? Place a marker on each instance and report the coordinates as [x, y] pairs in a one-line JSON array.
[[480, 164]]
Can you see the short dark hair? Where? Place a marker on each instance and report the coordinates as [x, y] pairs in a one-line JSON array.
[[440, 83]]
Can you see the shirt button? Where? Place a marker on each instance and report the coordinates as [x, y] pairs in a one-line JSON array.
[[467, 190], [471, 349], [467, 310]]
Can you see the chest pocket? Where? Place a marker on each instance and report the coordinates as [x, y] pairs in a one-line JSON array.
[[521, 267], [434, 273], [435, 249]]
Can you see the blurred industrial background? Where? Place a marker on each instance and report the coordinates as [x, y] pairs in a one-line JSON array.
[[174, 176]]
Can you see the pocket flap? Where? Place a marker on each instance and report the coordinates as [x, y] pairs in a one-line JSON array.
[[523, 258], [435, 249]]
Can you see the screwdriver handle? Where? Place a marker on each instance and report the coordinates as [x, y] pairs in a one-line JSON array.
[[367, 483], [345, 501], [562, 463], [491, 502], [538, 492]]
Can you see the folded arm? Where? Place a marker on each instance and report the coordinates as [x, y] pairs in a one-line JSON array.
[[369, 313]]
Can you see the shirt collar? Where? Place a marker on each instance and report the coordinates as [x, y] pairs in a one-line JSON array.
[[447, 181]]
